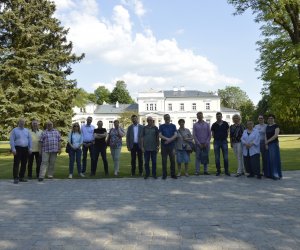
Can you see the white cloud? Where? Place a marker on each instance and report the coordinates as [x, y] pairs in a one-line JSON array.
[[63, 4], [144, 60], [136, 5], [109, 86]]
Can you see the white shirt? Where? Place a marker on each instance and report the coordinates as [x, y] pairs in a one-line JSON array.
[[262, 130], [135, 133]]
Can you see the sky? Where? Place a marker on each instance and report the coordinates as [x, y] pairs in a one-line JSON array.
[[162, 44]]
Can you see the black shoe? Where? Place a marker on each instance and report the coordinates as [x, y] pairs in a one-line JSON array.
[[146, 177], [164, 177], [29, 177], [258, 176], [16, 181], [106, 174], [250, 176], [218, 173], [238, 175], [196, 173], [206, 173], [132, 175], [22, 180], [155, 177], [227, 173], [140, 174], [40, 179], [275, 178], [174, 176], [92, 174]]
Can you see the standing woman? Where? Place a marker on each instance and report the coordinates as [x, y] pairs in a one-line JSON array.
[[114, 140], [236, 132], [251, 151], [184, 138], [75, 140], [273, 169]]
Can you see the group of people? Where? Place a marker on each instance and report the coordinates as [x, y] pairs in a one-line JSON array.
[[144, 142]]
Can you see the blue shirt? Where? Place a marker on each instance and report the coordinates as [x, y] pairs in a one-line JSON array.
[[20, 137], [167, 130], [87, 133], [77, 139]]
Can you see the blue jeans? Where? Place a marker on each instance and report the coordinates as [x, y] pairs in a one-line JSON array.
[[75, 154], [165, 152], [84, 157], [153, 155], [221, 144]]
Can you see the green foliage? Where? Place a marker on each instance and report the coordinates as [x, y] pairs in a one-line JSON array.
[[279, 60], [35, 61], [120, 94], [102, 94]]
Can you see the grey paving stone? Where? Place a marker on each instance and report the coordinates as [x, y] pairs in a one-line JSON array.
[[204, 212]]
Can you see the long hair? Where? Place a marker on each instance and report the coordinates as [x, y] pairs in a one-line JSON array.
[[76, 124]]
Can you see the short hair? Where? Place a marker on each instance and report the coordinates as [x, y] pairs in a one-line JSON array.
[[218, 113], [200, 112], [236, 115], [166, 115], [181, 120], [271, 115], [133, 116]]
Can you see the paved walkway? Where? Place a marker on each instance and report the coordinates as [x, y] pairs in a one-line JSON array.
[[189, 213]]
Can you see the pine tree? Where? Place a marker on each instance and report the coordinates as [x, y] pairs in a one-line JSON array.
[[35, 61]]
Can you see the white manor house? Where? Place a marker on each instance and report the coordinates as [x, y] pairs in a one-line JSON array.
[[179, 103]]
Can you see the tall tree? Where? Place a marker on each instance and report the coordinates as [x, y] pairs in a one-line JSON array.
[[120, 94], [279, 60], [102, 94], [35, 61]]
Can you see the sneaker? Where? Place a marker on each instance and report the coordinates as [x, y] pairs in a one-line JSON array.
[[238, 174], [82, 175], [179, 174], [197, 173], [206, 173], [116, 173], [186, 174], [16, 181], [22, 180], [50, 177], [70, 176]]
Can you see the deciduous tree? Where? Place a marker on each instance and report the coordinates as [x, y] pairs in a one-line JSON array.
[[120, 94]]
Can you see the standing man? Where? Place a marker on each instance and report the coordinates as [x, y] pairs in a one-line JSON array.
[[100, 134], [20, 144], [87, 132], [134, 144], [50, 146], [219, 132], [35, 133], [261, 127], [168, 135], [202, 135], [150, 146]]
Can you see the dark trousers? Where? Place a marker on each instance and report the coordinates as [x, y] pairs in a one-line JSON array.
[[84, 156], [75, 154], [147, 156], [136, 151], [263, 153], [21, 156], [97, 151], [165, 152], [38, 161], [221, 144], [252, 164]]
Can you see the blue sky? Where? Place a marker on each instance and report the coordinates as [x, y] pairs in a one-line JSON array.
[[162, 44]]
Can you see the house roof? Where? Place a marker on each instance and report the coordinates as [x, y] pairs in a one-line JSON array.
[[224, 109], [111, 108], [187, 94]]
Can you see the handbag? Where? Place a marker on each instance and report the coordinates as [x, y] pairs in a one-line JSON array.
[[68, 147], [189, 146]]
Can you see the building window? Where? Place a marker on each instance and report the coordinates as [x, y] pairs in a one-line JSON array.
[[82, 110], [155, 106], [207, 106], [194, 121], [181, 106], [194, 106], [151, 106], [110, 124], [170, 107], [147, 106]]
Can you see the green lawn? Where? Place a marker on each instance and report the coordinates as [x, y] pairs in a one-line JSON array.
[[290, 157]]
